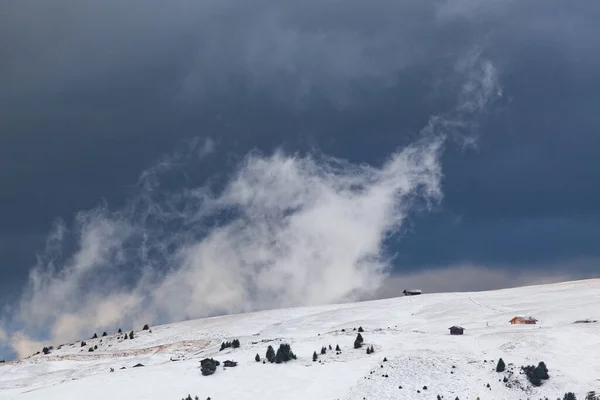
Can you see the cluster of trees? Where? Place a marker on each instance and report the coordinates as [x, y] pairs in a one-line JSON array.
[[284, 354], [536, 375], [235, 343], [208, 366], [370, 350], [130, 335]]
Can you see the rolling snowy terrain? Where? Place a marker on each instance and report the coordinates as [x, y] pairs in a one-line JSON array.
[[410, 332]]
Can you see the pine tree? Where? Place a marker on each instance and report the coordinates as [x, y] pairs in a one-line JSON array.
[[337, 347], [315, 356], [360, 329], [368, 350], [323, 350], [95, 336], [257, 358], [501, 366], [104, 334], [120, 331], [146, 327], [372, 349], [330, 348], [542, 371], [569, 396], [358, 342], [270, 354], [131, 335], [235, 344]]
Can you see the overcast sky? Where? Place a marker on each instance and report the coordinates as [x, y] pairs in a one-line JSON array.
[[352, 147]]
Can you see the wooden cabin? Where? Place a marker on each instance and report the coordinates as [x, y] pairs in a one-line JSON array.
[[456, 330], [523, 320]]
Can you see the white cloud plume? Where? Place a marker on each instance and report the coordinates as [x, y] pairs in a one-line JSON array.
[[23, 345], [285, 230]]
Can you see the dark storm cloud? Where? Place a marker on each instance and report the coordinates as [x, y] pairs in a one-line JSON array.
[[92, 93]]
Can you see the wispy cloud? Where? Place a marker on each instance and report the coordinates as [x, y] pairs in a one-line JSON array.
[[285, 230]]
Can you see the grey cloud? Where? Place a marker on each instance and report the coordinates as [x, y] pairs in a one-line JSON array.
[[288, 49]]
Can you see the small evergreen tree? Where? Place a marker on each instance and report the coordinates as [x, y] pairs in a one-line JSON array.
[[337, 347], [501, 366], [542, 371], [368, 350], [95, 336], [257, 358], [83, 344], [146, 327], [330, 348], [372, 349], [104, 334], [96, 347], [315, 356], [235, 344], [131, 335], [569, 396], [270, 356], [360, 329], [358, 342], [323, 350], [90, 349], [45, 350], [120, 331]]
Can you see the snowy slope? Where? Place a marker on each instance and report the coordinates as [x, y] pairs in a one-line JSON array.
[[411, 332]]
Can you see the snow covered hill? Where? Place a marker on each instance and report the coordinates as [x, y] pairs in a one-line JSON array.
[[423, 359]]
